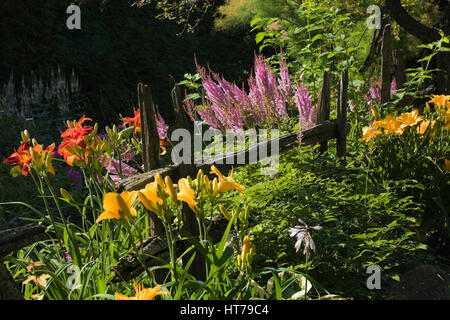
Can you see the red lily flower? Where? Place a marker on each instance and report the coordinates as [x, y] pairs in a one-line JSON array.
[[135, 121], [22, 158], [73, 140]]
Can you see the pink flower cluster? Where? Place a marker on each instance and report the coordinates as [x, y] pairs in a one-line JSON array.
[[162, 127], [118, 170], [375, 91], [226, 106], [306, 111]]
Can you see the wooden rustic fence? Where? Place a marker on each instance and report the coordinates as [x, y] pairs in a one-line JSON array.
[[129, 267]]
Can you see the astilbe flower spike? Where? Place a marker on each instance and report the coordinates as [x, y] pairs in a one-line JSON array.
[[285, 80], [306, 112], [226, 106]]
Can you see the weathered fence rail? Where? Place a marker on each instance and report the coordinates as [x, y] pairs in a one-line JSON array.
[[155, 245]]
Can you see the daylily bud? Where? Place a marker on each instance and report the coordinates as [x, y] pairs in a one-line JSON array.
[[159, 180], [108, 131], [199, 180], [34, 142], [207, 185], [95, 128], [215, 187], [374, 113], [66, 195], [225, 212], [246, 249], [25, 136], [200, 174], [48, 161], [34, 154], [171, 188]]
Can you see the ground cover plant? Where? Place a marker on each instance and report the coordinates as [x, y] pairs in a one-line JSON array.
[[309, 230]]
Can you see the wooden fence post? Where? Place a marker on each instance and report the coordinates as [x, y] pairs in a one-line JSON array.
[[399, 65], [150, 144], [150, 138], [386, 56], [181, 119], [341, 136], [197, 268], [323, 110]]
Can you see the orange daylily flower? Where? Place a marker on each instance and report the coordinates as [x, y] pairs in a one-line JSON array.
[[186, 194], [73, 141], [22, 158], [33, 264], [26, 155], [114, 204], [163, 143], [133, 121], [141, 293], [43, 158], [226, 183], [39, 280]]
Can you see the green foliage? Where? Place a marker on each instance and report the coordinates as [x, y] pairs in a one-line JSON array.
[[363, 224]]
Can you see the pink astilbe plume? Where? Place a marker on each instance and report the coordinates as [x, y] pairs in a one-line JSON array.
[[162, 127], [375, 90], [272, 99], [118, 170], [306, 112], [285, 80], [226, 106]]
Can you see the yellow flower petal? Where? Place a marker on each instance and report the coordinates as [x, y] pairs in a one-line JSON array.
[[186, 194], [107, 215]]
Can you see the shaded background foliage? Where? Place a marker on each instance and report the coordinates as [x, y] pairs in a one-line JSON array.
[[117, 47]]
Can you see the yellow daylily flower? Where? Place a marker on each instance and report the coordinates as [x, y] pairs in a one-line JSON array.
[[369, 133], [226, 183], [141, 293], [441, 101], [390, 124], [114, 202], [422, 128], [410, 118], [186, 194], [149, 196]]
